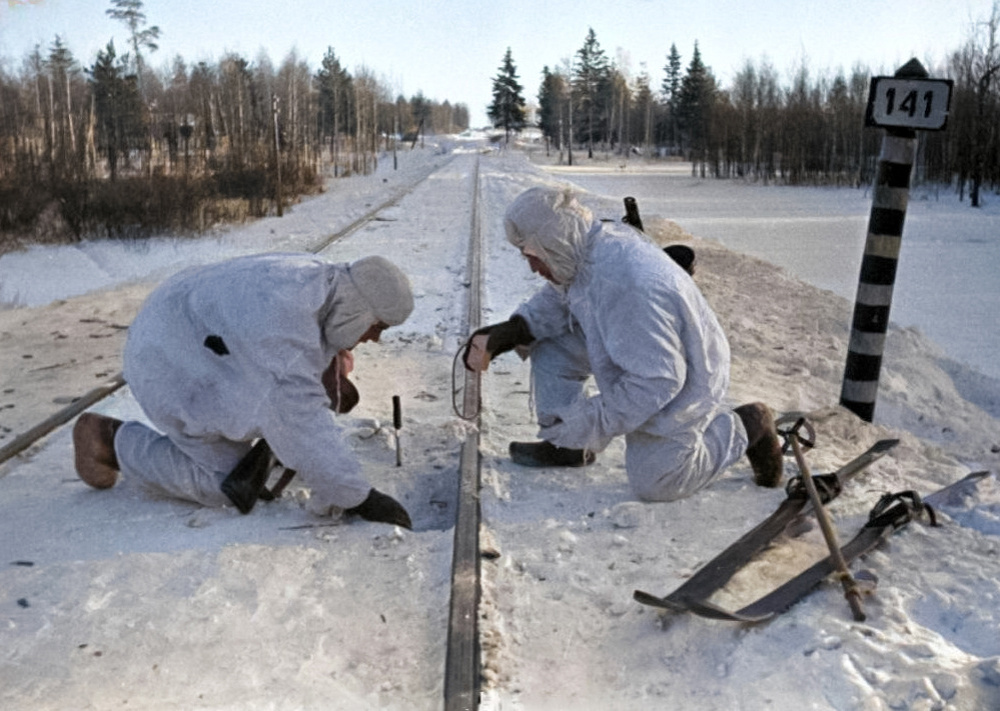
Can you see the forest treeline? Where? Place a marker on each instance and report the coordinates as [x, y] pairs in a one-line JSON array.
[[121, 149], [808, 130]]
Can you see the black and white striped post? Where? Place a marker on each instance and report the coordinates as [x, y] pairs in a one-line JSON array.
[[901, 104]]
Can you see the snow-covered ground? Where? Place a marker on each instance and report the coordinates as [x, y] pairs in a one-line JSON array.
[[117, 599]]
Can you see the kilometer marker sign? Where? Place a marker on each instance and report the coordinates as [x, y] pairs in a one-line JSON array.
[[909, 103]]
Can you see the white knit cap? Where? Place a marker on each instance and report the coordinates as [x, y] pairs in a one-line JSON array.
[[385, 287]]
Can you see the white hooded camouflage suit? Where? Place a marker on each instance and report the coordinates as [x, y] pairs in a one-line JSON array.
[[624, 312], [223, 354]]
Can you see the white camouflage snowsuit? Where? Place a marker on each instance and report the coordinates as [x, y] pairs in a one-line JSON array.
[[223, 354], [626, 313]]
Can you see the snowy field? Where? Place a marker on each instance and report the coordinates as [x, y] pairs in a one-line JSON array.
[[116, 599]]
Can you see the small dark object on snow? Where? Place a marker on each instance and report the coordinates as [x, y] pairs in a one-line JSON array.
[[23, 602], [397, 423]]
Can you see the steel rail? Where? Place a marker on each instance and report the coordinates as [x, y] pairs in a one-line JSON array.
[[462, 661]]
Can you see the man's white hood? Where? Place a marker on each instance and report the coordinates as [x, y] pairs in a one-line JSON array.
[[551, 224]]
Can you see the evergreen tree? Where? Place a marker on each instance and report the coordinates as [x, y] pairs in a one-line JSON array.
[[334, 84], [117, 106], [591, 73], [671, 89], [694, 107], [141, 37], [507, 109]]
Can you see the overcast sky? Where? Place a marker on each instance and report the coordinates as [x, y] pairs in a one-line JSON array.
[[452, 49]]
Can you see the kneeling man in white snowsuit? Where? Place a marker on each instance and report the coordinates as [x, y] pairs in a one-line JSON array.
[[252, 348], [617, 308]]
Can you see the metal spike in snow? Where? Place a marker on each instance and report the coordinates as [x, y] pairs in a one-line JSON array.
[[717, 572], [892, 512]]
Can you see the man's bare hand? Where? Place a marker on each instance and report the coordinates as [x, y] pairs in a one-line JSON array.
[[477, 358]]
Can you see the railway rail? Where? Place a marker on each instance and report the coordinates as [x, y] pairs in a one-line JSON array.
[[462, 664]]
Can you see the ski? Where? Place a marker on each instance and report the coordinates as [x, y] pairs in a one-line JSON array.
[[892, 512], [717, 572]]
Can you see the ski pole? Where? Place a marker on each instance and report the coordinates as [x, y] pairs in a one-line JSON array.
[[397, 423], [851, 589]]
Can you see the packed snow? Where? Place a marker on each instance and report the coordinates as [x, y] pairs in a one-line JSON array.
[[119, 599]]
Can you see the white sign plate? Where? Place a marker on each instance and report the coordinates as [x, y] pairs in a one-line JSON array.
[[909, 103]]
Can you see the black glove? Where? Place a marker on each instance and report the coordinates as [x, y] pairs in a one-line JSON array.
[[683, 255], [503, 337], [382, 508]]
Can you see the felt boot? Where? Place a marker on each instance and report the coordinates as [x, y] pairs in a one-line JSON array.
[[546, 454], [763, 445], [94, 449]]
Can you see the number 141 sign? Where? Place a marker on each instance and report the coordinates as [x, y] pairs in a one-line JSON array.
[[909, 103]]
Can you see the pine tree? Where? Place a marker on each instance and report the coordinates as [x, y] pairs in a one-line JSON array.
[[694, 107], [140, 37], [507, 109], [117, 107], [671, 89], [334, 85], [591, 73]]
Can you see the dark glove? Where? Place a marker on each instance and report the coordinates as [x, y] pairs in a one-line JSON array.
[[683, 255], [503, 337], [349, 396], [382, 508]]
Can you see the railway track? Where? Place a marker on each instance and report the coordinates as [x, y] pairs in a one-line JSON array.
[[462, 672]]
